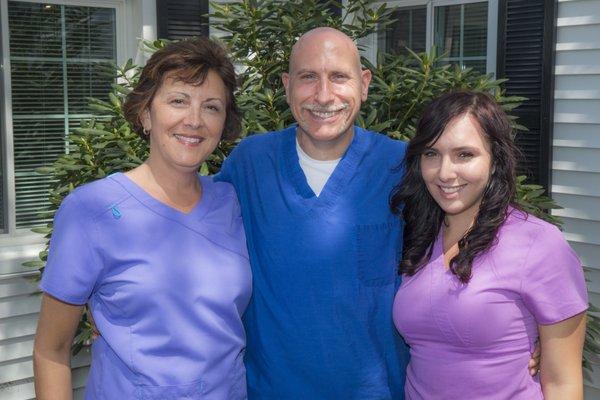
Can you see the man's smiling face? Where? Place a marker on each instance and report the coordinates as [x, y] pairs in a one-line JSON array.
[[326, 86]]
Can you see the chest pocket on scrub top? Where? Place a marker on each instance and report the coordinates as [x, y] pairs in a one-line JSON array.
[[377, 250]]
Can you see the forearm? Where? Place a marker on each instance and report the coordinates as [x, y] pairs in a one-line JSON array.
[[52, 375], [561, 391]]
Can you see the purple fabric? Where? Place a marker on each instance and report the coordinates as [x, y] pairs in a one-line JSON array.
[[166, 289], [474, 341]]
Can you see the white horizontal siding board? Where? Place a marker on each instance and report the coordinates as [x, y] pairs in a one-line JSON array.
[[590, 94], [23, 368], [584, 36], [12, 257], [576, 135], [574, 9], [18, 326], [589, 254], [576, 70], [577, 111], [17, 286], [576, 58], [583, 207], [575, 159], [19, 305], [13, 349], [591, 393], [18, 391], [574, 182], [593, 277], [581, 230]]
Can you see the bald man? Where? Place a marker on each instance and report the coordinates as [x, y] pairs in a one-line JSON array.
[[323, 244]]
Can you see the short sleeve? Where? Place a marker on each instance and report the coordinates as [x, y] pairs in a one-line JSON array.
[[553, 286], [73, 266]]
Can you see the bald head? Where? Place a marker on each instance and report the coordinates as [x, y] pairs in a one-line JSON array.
[[324, 36]]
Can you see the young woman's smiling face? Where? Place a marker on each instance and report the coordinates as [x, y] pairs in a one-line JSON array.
[[456, 168]]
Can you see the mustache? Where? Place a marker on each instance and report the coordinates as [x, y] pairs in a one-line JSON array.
[[320, 108]]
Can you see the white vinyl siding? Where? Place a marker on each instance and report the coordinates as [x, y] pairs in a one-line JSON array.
[[576, 141]]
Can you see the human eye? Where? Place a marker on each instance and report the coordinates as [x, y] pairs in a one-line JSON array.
[[465, 155], [213, 107], [339, 77], [429, 153], [177, 101], [308, 76]]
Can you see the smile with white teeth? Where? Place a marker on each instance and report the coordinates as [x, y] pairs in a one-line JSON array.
[[188, 139], [325, 113], [451, 189]]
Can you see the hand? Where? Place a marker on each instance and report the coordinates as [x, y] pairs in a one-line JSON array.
[[534, 361]]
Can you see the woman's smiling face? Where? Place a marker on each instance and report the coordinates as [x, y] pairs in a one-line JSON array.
[[456, 168], [185, 122]]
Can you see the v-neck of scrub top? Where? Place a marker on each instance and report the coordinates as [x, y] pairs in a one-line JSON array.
[[337, 182], [190, 219]]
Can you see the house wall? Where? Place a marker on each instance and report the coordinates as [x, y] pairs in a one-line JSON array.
[[19, 296], [576, 142]]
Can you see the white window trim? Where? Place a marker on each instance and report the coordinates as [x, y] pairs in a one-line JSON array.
[[11, 233], [370, 42]]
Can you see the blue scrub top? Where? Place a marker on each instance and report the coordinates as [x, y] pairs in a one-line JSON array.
[[167, 289], [319, 324]]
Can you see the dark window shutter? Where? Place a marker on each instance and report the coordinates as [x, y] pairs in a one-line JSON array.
[[525, 56], [178, 19]]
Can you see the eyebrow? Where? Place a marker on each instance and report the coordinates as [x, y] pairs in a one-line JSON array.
[[204, 101]]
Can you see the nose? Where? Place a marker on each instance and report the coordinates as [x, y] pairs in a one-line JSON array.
[[193, 118], [324, 93], [447, 171]]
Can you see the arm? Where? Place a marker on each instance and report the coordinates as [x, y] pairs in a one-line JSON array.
[[52, 349], [562, 351]]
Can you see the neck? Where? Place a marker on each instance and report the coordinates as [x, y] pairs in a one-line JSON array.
[[171, 180], [458, 225], [324, 150]]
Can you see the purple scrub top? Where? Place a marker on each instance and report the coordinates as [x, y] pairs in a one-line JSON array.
[[167, 289], [474, 341]]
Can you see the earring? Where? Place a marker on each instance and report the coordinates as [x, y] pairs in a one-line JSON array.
[[145, 132]]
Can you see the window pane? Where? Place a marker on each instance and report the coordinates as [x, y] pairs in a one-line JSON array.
[[55, 51], [409, 30], [447, 30], [475, 30], [460, 34]]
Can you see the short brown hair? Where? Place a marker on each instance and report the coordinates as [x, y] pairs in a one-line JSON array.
[[189, 60]]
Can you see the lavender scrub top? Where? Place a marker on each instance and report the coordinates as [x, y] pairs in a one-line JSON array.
[[473, 341], [166, 289]]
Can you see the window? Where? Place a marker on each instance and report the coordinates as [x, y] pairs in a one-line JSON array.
[[461, 34], [459, 30], [55, 54], [409, 31]]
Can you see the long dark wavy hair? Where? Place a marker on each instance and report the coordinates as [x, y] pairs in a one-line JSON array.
[[423, 217]]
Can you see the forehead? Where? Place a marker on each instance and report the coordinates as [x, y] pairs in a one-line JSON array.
[[325, 52], [185, 80], [462, 131]]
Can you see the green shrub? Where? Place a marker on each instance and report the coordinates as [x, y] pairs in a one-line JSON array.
[[260, 35]]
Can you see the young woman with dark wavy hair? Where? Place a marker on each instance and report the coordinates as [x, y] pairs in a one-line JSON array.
[[482, 278]]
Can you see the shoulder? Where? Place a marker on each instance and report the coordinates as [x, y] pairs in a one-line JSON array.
[[521, 223], [262, 141], [539, 240], [94, 198], [383, 144], [221, 191]]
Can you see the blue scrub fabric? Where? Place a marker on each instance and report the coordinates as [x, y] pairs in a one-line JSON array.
[[319, 324], [167, 289]]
